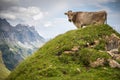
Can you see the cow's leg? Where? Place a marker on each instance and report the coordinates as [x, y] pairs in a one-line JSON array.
[[83, 25], [99, 23], [78, 25]]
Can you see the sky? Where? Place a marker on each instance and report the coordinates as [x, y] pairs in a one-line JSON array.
[[47, 16]]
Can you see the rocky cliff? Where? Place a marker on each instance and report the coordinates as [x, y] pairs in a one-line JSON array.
[[17, 42]]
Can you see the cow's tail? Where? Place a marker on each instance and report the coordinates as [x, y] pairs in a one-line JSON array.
[[105, 17]]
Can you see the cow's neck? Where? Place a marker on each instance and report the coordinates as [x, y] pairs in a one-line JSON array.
[[74, 17]]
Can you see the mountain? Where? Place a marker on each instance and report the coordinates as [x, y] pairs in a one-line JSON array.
[[91, 53], [4, 72], [17, 42]]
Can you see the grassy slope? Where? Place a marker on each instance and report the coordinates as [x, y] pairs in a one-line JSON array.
[[51, 63], [4, 72]]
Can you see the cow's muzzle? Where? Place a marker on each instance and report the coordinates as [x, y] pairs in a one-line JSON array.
[[70, 20]]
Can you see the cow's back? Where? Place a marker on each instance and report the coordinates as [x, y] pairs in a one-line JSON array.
[[86, 18]]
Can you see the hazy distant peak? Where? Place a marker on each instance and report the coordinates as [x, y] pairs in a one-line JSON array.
[[3, 22]]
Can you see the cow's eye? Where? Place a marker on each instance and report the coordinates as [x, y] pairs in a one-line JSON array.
[[71, 14]]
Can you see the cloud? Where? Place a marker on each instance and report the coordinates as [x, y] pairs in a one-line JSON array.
[[48, 24], [101, 1], [38, 16], [7, 16], [25, 15], [6, 4], [54, 22]]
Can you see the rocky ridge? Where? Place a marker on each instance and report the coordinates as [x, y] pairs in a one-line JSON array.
[[17, 42]]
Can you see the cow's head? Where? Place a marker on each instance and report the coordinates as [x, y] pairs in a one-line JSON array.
[[70, 15]]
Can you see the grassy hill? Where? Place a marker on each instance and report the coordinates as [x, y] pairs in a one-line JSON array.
[[69, 57], [4, 72]]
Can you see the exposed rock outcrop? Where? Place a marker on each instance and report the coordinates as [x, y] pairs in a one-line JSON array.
[[73, 50], [113, 54], [98, 62], [112, 42], [112, 48], [113, 63]]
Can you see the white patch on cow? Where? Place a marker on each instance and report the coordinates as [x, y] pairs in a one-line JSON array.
[[83, 26]]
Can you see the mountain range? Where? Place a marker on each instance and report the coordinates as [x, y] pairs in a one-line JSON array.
[[17, 42]]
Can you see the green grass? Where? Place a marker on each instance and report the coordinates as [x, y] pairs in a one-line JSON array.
[[51, 63], [119, 49], [4, 72]]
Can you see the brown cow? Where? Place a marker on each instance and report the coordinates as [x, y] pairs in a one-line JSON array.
[[81, 19]]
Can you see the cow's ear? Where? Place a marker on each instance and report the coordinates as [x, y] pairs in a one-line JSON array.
[[65, 13]]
